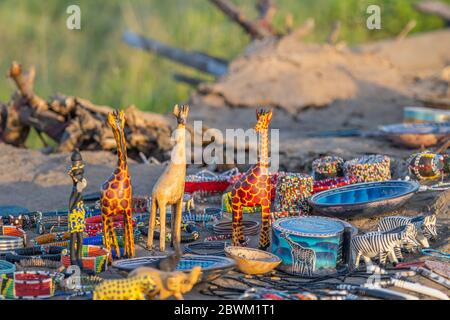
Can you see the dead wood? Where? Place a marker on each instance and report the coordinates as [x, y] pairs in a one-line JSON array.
[[254, 29], [197, 60], [73, 122], [437, 8]]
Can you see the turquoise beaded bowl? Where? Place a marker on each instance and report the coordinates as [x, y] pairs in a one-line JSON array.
[[363, 199]]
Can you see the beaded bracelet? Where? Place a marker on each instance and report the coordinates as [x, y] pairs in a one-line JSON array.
[[8, 243], [34, 253], [51, 237], [369, 168], [6, 267], [425, 165], [221, 237]]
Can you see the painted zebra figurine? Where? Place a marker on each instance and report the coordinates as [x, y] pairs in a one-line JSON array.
[[409, 240], [425, 224], [380, 244], [303, 259]]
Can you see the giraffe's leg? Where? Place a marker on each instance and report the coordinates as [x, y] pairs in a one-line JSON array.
[[176, 232], [129, 234], [151, 224], [172, 224], [264, 239], [237, 233], [113, 236], [162, 227], [106, 234]]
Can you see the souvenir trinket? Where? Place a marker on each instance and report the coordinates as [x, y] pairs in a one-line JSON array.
[[32, 285], [382, 245], [249, 227], [8, 243], [308, 245], [169, 189], [34, 253], [212, 266], [206, 181], [369, 168], [425, 225], [209, 248], [333, 183], [77, 212], [94, 258], [253, 188], [327, 167], [252, 261], [425, 165], [117, 192], [363, 199], [292, 192], [14, 232], [6, 268]]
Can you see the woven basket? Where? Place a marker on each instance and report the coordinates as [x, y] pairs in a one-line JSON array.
[[252, 261]]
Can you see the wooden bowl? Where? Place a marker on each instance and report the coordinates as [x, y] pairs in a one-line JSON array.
[[252, 261]]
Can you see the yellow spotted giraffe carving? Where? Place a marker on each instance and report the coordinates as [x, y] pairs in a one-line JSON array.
[[148, 283]]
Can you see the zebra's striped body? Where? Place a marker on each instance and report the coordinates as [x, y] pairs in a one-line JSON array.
[[408, 239], [425, 225], [380, 244]]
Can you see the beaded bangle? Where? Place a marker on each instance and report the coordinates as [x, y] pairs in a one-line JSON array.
[[369, 168], [213, 248], [35, 284], [425, 165], [327, 184], [51, 237], [15, 232], [6, 267], [94, 258], [249, 228], [8, 243], [35, 253], [327, 167]]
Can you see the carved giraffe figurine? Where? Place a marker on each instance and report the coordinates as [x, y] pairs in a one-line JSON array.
[[253, 188], [116, 192], [169, 188]]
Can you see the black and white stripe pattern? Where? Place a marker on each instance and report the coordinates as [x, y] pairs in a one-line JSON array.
[[380, 244], [426, 225]]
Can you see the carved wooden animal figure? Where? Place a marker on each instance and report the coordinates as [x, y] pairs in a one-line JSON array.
[[132, 288], [303, 259], [379, 244], [167, 284], [253, 188], [408, 242], [425, 225], [169, 188], [116, 192]]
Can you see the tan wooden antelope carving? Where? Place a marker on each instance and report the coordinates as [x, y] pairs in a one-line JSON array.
[[169, 188]]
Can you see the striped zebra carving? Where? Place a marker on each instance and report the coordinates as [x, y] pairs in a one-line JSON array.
[[380, 244], [425, 225], [408, 239]]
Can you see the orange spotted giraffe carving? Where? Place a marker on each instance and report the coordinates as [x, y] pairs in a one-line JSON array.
[[116, 192], [253, 188]]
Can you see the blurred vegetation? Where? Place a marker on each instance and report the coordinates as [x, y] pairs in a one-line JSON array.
[[94, 63]]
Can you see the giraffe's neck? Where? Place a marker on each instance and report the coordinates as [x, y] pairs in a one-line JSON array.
[[264, 150], [121, 150], [179, 150]]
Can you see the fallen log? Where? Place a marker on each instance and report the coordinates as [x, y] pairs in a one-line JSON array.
[[73, 122], [201, 61], [437, 8]]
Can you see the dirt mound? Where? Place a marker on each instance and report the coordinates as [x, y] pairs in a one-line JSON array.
[[294, 75]]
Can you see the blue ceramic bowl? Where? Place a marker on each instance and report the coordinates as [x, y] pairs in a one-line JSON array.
[[363, 199]]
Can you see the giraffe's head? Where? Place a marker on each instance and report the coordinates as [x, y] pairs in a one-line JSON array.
[[116, 120], [263, 118], [181, 113]]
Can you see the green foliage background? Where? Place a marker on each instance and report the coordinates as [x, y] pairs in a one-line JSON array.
[[95, 64]]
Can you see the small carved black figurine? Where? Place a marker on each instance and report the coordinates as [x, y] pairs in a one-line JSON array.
[[76, 209]]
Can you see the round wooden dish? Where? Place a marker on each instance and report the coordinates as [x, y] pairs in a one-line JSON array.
[[252, 261]]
